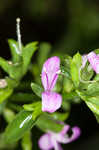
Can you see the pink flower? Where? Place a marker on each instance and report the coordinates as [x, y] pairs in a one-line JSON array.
[[51, 101], [51, 140], [94, 61]]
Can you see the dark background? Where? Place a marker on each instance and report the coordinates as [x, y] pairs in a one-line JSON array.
[[70, 26]]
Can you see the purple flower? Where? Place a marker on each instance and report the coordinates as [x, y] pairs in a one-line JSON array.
[[51, 101], [94, 61], [51, 140]]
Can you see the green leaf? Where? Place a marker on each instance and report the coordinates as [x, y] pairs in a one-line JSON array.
[[27, 141], [93, 89], [11, 82], [65, 66], [4, 94], [97, 117], [75, 68], [37, 89], [16, 54], [33, 106], [27, 53], [14, 70], [71, 97], [5, 65], [2, 106], [86, 73], [4, 145], [59, 116], [47, 123], [19, 126], [23, 97], [44, 50], [94, 108], [67, 85], [8, 114]]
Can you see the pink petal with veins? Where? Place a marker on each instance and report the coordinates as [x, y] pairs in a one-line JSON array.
[[51, 101], [49, 72]]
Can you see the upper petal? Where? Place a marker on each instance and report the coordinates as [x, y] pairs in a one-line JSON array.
[[51, 101], [94, 61], [49, 72], [45, 142]]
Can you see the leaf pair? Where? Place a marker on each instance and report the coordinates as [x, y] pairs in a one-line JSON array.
[[20, 59]]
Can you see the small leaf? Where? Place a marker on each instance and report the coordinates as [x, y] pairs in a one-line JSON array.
[[37, 89], [8, 114], [33, 106], [86, 72], [75, 67], [4, 94], [44, 50], [19, 126], [47, 123], [27, 53], [16, 54], [27, 141], [16, 71], [65, 65], [5, 65]]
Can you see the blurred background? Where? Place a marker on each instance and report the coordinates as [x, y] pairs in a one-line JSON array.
[[70, 26]]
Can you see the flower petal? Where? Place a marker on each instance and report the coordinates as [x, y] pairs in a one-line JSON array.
[[94, 61], [45, 142], [65, 129], [61, 137], [51, 101], [76, 133], [56, 145], [84, 60], [49, 72]]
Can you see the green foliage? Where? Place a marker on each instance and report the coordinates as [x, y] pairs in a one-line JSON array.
[[47, 123], [27, 53], [20, 59], [75, 68], [17, 128], [27, 141], [16, 55], [5, 93], [37, 89], [44, 51]]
